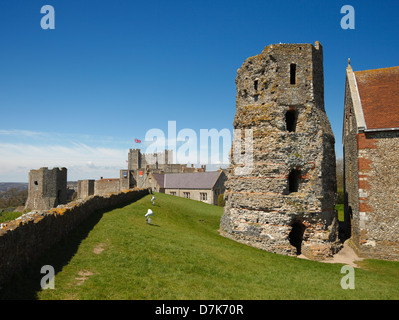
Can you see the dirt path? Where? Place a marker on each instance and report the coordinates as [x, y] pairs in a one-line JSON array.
[[346, 256]]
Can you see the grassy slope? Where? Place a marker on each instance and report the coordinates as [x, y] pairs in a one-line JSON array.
[[182, 256], [7, 216], [340, 208]]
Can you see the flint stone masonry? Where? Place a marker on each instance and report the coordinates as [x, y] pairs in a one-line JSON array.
[[27, 237], [371, 162], [375, 224], [286, 204]]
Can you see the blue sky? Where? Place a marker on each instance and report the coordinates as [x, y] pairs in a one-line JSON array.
[[77, 96]]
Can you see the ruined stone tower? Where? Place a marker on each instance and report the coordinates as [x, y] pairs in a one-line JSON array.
[[286, 203], [47, 188]]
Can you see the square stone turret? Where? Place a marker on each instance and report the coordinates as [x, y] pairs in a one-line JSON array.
[[47, 188]]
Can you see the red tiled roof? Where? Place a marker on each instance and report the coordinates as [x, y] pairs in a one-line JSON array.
[[379, 96]]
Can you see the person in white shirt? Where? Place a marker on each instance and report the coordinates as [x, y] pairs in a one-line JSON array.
[[148, 216]]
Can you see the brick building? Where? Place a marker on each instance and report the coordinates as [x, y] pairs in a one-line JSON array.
[[371, 162]]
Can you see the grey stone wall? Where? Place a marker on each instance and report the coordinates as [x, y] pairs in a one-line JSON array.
[[157, 162], [26, 238], [381, 217], [127, 179], [375, 230], [134, 159], [104, 186], [85, 188], [262, 209], [351, 189]]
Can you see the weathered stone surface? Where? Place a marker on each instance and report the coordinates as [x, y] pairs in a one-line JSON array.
[[286, 203], [27, 237], [371, 164]]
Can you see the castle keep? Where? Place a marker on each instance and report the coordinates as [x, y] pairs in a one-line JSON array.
[[140, 174], [286, 203]]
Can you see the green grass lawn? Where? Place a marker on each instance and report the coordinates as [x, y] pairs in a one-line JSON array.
[[116, 255], [340, 208], [9, 215]]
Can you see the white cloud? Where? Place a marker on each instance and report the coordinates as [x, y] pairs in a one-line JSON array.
[[14, 132], [81, 160], [92, 157]]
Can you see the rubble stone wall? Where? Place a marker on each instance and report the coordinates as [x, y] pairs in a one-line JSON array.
[[377, 232], [351, 178], [27, 237], [262, 209]]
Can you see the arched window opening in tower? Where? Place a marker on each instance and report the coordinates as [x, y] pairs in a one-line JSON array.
[[290, 120], [293, 181], [293, 73], [256, 85]]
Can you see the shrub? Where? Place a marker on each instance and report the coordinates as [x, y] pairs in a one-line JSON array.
[[221, 201]]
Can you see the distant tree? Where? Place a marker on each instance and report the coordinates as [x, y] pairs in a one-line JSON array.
[[13, 198]]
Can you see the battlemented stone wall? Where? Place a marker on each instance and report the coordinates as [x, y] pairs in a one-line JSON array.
[[27, 237], [138, 160], [286, 203]]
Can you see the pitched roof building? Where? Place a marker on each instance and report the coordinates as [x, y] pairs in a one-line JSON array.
[[379, 95], [371, 161], [201, 186]]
